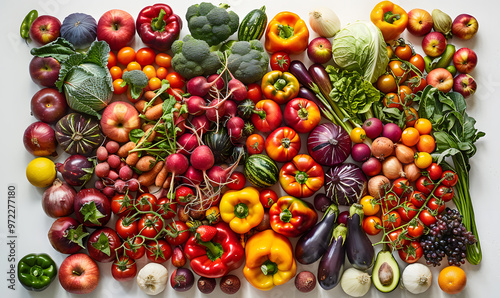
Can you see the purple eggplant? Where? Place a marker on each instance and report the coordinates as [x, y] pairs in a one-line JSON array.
[[309, 95], [299, 70], [321, 79], [331, 266], [360, 250], [312, 245]]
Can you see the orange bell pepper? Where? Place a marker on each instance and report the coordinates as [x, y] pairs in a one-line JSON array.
[[390, 18], [286, 32]]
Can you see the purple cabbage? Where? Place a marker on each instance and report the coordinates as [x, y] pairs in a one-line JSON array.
[[345, 184]]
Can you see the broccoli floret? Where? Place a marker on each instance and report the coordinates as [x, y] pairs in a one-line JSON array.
[[136, 80], [247, 61], [193, 57], [213, 24]]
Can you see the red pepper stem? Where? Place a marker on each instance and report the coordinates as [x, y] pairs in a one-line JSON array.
[[158, 24], [390, 17], [286, 215], [280, 84], [269, 268], [262, 114], [241, 210], [301, 177]]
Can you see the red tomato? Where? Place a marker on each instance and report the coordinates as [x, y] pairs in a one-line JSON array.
[[158, 251], [435, 204], [280, 61], [146, 202], [268, 197], [150, 225], [267, 116], [372, 225], [176, 92], [418, 61], [386, 83], [124, 269], [417, 83], [444, 193], [415, 229], [398, 239], [399, 69], [236, 181], [122, 204], [177, 233], [425, 185], [176, 80], [392, 220], [184, 195], [391, 100], [450, 178], [411, 253], [391, 200], [434, 171], [166, 208], [417, 198], [145, 56], [401, 187], [255, 144], [254, 92], [134, 248], [126, 227], [407, 211], [426, 217], [404, 52]]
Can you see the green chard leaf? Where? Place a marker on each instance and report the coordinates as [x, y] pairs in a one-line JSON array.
[[59, 49]]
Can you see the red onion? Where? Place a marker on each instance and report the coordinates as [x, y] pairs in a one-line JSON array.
[[360, 152], [40, 139], [66, 235], [329, 144], [92, 208], [58, 200]]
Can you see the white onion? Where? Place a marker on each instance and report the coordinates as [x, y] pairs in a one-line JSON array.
[[417, 278], [355, 283], [324, 21]]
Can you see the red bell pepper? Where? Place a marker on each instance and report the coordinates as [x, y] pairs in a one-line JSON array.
[[292, 217], [215, 258], [302, 176], [302, 114], [266, 116], [158, 26]]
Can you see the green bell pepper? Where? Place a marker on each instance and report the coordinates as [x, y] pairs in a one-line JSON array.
[[36, 271]]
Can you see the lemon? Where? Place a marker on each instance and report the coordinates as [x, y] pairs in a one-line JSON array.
[[41, 172]]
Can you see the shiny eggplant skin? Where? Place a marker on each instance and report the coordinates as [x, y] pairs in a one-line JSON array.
[[359, 248], [331, 266]]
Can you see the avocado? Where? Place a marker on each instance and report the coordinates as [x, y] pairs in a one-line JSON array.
[[385, 275]]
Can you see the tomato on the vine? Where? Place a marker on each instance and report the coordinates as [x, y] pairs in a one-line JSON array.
[[417, 198], [150, 225], [399, 69], [401, 187], [280, 61], [146, 202], [177, 233], [444, 192], [434, 171], [404, 52], [418, 61], [405, 95], [411, 253], [268, 197], [134, 248], [389, 201], [158, 251], [124, 269], [372, 225], [415, 229], [417, 83], [184, 195], [386, 83], [391, 100], [370, 205], [425, 185], [255, 144], [166, 208], [407, 211], [236, 181], [254, 92], [450, 178], [122, 204], [398, 239], [426, 217], [212, 215], [392, 220], [436, 204], [126, 227]]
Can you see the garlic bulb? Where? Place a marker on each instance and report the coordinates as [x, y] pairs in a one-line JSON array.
[[152, 278], [442, 22], [417, 278], [324, 21], [355, 283]]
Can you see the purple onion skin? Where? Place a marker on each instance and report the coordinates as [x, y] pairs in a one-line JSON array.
[[58, 200], [342, 218], [329, 144], [392, 131], [87, 196], [76, 170], [182, 279], [345, 184], [322, 202], [360, 152], [58, 232]]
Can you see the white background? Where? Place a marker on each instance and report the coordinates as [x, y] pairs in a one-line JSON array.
[[32, 224]]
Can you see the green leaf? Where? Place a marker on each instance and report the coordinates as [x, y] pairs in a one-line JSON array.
[[98, 53], [102, 244], [136, 134], [72, 61], [91, 213], [91, 96], [59, 49], [77, 235]]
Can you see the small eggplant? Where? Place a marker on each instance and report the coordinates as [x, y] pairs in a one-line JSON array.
[[299, 70], [331, 266], [321, 79], [312, 245], [360, 250]]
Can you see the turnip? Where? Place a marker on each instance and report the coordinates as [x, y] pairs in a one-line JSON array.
[[186, 143]]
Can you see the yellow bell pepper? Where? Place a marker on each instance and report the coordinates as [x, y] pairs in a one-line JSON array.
[[390, 18], [286, 32], [241, 209], [269, 260]]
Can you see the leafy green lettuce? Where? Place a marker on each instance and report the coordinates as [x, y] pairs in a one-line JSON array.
[[86, 80]]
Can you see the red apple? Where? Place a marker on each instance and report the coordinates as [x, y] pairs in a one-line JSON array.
[[44, 71], [118, 119], [441, 79], [117, 28], [79, 274], [464, 26], [48, 105], [464, 84], [434, 44], [45, 29], [465, 60], [319, 50], [419, 22]]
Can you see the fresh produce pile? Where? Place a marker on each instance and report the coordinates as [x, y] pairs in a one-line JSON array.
[[175, 150]]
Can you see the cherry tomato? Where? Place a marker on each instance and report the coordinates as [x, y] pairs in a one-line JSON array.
[[280, 61], [401, 187], [158, 251], [436, 204], [417, 83], [268, 197], [389, 201], [398, 238], [391, 100], [425, 185], [392, 220], [124, 269], [134, 248], [450, 178], [415, 229], [386, 83], [145, 56], [404, 52], [150, 71], [146, 202], [407, 211], [405, 95], [236, 181], [161, 73], [150, 225], [411, 253], [426, 143], [417, 198], [423, 160], [410, 136], [435, 171], [418, 61], [111, 60], [212, 215], [116, 72], [117, 87], [254, 92], [372, 225], [358, 135], [255, 144], [390, 52], [426, 217], [176, 80], [370, 205], [126, 227], [424, 126], [163, 60], [133, 66], [122, 205], [399, 70], [166, 208], [177, 233], [184, 195], [411, 116], [176, 92], [154, 83], [126, 55]]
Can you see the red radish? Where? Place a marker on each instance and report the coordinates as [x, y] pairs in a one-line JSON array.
[[218, 175], [235, 127], [186, 143], [202, 158], [193, 176], [200, 124], [198, 86], [102, 153], [218, 110], [372, 167], [112, 147], [392, 131], [231, 109], [102, 169], [177, 164], [195, 105], [237, 89], [373, 127], [219, 81]]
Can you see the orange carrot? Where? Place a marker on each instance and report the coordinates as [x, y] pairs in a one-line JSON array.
[[161, 177], [148, 178], [149, 95], [145, 163], [124, 149], [132, 158], [155, 112]]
